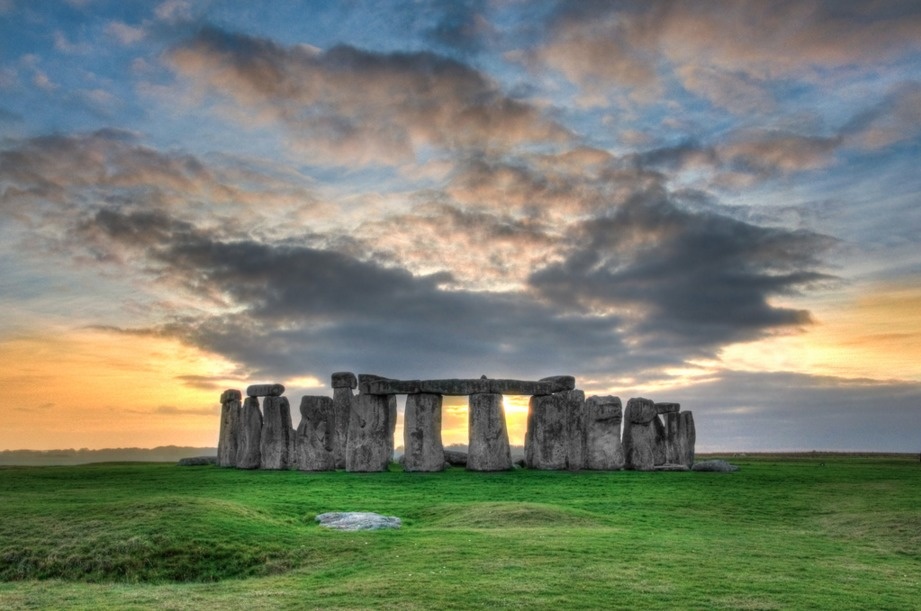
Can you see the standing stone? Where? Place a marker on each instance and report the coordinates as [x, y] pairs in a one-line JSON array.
[[640, 435], [248, 452], [603, 449], [488, 444], [423, 449], [555, 438], [672, 450], [228, 439], [686, 439], [391, 424], [276, 443], [658, 450], [342, 382], [368, 447], [315, 442]]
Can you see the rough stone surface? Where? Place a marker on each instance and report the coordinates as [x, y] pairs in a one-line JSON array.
[[456, 458], [342, 408], [658, 450], [686, 438], [671, 467], [197, 461], [370, 439], [229, 437], [555, 438], [315, 442], [720, 466], [423, 449], [640, 436], [668, 408], [488, 448], [265, 390], [231, 394], [277, 442], [357, 520], [365, 380], [603, 449], [459, 387], [248, 452], [344, 379], [671, 437]]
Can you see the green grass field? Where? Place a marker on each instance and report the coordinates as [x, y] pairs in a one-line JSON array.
[[810, 532]]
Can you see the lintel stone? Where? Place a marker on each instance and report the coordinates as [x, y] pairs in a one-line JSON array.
[[460, 387]]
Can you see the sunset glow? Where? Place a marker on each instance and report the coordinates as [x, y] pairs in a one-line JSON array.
[[709, 203]]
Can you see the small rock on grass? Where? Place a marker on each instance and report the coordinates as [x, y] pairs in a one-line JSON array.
[[197, 461], [357, 520], [720, 466]]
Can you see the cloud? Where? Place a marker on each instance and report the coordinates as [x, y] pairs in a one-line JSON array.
[[896, 118], [689, 281], [347, 106], [124, 33], [462, 26]]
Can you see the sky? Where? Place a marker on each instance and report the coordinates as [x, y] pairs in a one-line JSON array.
[[710, 203]]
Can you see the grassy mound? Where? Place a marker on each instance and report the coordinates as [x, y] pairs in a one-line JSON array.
[[507, 515]]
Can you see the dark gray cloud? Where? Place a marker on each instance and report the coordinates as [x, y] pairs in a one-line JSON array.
[[462, 26], [763, 411], [697, 280]]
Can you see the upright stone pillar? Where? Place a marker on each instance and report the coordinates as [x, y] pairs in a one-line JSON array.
[[488, 447], [686, 439], [315, 442], [370, 441], [603, 449], [343, 382], [640, 437], [555, 438], [277, 442], [423, 449], [248, 453], [228, 439]]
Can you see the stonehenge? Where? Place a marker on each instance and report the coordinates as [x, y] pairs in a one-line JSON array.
[[355, 432]]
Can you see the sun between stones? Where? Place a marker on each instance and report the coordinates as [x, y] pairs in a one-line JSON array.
[[355, 432]]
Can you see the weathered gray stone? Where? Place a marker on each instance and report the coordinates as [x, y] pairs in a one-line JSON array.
[[603, 449], [357, 520], [640, 437], [342, 408], [488, 449], [276, 443], [459, 387], [344, 379], [555, 437], [671, 437], [456, 458], [668, 408], [370, 439], [392, 423], [719, 466], [658, 449], [671, 467], [366, 379], [248, 452], [423, 449], [686, 439], [265, 390], [231, 394], [315, 442], [229, 436]]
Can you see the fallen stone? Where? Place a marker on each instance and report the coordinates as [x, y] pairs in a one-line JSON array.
[[315, 441], [668, 408], [603, 449], [276, 444], [423, 449], [555, 437], [265, 390], [640, 437], [456, 458], [671, 467], [197, 461], [248, 452], [459, 387], [488, 448], [718, 466], [357, 520], [368, 447], [344, 379], [342, 408], [229, 435]]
